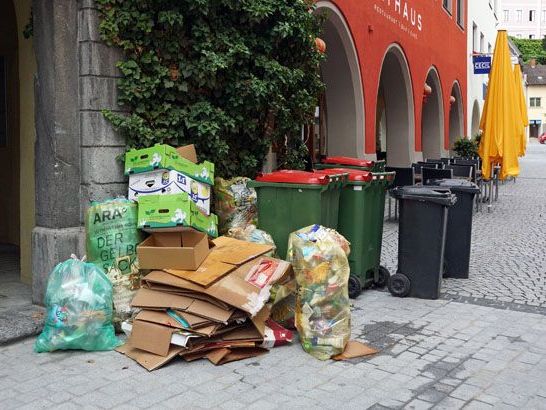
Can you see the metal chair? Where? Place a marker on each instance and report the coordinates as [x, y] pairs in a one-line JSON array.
[[462, 171], [429, 164], [446, 161], [430, 173], [404, 177]]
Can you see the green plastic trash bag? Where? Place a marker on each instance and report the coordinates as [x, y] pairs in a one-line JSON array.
[[323, 315], [112, 232], [79, 309]]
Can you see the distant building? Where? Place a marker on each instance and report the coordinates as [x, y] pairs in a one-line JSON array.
[[481, 37], [536, 97], [523, 18]]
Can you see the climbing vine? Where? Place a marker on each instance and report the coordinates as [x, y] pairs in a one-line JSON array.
[[234, 77]]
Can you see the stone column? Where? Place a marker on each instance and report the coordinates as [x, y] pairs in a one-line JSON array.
[[57, 233], [76, 148]]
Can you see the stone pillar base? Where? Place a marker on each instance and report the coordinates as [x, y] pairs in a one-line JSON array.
[[50, 247]]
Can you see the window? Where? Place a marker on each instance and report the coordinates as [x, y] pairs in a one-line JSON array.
[[518, 15], [506, 15], [447, 5], [460, 13], [482, 43], [535, 102], [532, 15], [531, 36], [489, 48]]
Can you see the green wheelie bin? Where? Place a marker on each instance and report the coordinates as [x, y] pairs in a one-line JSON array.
[[361, 214], [352, 163], [291, 200]]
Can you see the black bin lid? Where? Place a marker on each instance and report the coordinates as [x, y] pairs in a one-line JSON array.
[[456, 185], [440, 196]]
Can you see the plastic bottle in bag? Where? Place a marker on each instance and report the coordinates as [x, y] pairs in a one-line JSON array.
[[323, 316]]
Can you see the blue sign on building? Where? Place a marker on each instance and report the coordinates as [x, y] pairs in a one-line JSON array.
[[482, 64]]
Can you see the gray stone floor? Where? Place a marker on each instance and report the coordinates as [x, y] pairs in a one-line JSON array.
[[18, 316], [482, 345]]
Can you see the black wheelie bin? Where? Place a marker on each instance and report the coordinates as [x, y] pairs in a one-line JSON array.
[[421, 240], [459, 226]]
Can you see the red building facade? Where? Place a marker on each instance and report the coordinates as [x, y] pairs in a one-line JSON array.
[[395, 77]]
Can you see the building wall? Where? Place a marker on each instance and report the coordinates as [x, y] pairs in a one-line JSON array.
[[537, 113], [27, 132], [523, 27], [481, 14], [435, 40]]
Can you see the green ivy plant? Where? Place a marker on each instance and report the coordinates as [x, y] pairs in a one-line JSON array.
[[234, 77]]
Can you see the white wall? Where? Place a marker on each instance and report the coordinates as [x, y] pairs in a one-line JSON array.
[[482, 14], [523, 27], [537, 113]]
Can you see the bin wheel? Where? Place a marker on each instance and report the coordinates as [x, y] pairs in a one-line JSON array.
[[399, 285], [382, 277], [355, 287]]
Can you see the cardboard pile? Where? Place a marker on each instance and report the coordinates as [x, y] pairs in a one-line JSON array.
[[172, 189], [214, 308]]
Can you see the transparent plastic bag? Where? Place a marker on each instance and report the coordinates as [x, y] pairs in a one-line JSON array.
[[125, 278], [235, 203], [252, 234], [79, 309], [323, 315]]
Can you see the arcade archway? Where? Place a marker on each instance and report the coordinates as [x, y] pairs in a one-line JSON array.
[[455, 115], [342, 108], [395, 114], [432, 119]]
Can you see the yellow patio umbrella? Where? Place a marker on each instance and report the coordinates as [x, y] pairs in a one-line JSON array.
[[500, 120], [522, 105]]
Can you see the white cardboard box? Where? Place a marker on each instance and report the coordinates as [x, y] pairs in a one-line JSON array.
[[162, 181]]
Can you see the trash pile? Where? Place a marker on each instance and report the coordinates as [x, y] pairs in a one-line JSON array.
[[215, 309], [159, 272]]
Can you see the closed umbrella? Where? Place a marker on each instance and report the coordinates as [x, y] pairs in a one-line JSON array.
[[522, 105], [501, 119]]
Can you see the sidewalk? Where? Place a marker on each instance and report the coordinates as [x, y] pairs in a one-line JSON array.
[[482, 345]]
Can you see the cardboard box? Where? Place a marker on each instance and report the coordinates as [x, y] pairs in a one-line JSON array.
[[162, 156], [162, 181], [174, 210], [226, 256], [186, 249]]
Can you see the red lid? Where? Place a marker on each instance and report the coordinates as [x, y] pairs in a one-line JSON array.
[[294, 177], [354, 174], [355, 162]]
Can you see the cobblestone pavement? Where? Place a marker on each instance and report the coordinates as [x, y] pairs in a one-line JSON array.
[[508, 260], [486, 352]]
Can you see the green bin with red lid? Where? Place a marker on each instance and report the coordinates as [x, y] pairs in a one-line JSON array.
[[290, 200], [361, 215], [351, 163]]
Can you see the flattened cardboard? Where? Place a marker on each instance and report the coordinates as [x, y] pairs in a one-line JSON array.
[[188, 152], [151, 337], [162, 318], [355, 349], [148, 360], [232, 289], [226, 256], [151, 299], [227, 355], [176, 250]]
